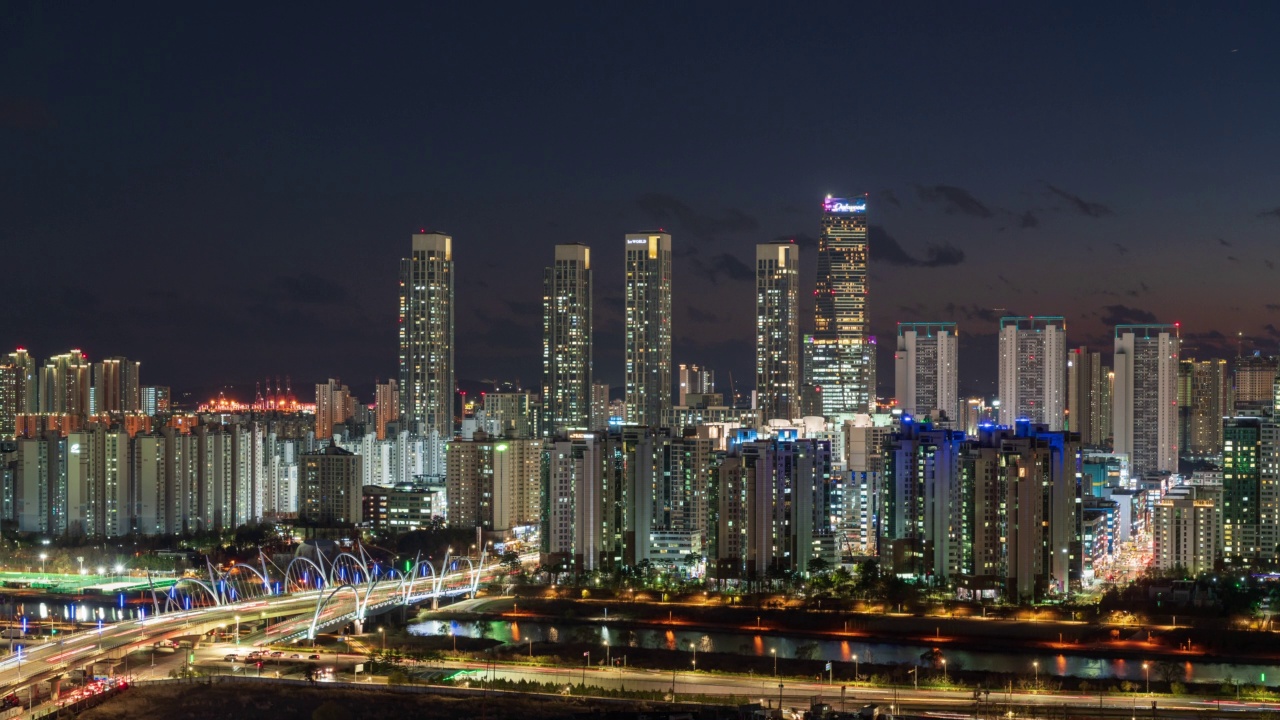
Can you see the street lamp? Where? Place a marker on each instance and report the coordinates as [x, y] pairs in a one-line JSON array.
[[80, 559], [694, 647], [383, 633], [855, 668], [1146, 669], [944, 670], [43, 557], [1036, 665], [775, 661], [237, 629]]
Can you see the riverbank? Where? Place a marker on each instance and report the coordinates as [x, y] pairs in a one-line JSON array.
[[1149, 643]]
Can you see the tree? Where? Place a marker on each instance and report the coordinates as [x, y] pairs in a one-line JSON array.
[[511, 561], [819, 566]]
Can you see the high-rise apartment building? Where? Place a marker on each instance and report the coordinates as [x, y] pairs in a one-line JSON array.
[[65, 385], [1251, 491], [777, 330], [27, 391], [925, 369], [1255, 377], [775, 505], [329, 487], [600, 406], [494, 484], [648, 328], [513, 414], [1033, 364], [1207, 402], [1018, 518], [1144, 419], [386, 407], [116, 389], [567, 341], [157, 400], [695, 380], [1186, 529], [921, 501], [334, 406], [8, 400], [1086, 389], [427, 381], [841, 368]]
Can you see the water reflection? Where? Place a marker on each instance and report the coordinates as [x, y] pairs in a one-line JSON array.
[[1083, 666]]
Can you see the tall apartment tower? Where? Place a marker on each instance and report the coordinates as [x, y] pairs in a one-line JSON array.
[[65, 385], [1255, 381], [599, 406], [695, 380], [777, 330], [567, 341], [1251, 491], [925, 369], [386, 399], [427, 380], [1033, 364], [1086, 390], [841, 371], [27, 390], [648, 329], [1144, 418], [116, 388], [1208, 403]]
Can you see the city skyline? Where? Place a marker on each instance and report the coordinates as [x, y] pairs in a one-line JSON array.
[[264, 237]]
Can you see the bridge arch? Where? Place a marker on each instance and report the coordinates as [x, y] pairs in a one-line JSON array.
[[301, 581], [173, 589], [324, 601]]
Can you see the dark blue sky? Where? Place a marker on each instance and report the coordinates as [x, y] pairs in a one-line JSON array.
[[223, 192]]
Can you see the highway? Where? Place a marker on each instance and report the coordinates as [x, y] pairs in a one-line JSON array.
[[40, 662]]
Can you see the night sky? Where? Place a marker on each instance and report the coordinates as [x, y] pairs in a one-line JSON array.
[[223, 192]]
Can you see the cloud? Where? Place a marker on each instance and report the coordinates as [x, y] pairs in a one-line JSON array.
[[1233, 258], [661, 208], [954, 200], [1028, 220], [1270, 264], [1120, 248], [1274, 213], [883, 248], [1125, 315], [1140, 290], [529, 309], [701, 316], [1273, 306], [1223, 243], [308, 289], [1271, 330], [972, 312], [723, 265], [890, 198], [1084, 207]]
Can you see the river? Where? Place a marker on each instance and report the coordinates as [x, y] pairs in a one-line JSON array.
[[1049, 664]]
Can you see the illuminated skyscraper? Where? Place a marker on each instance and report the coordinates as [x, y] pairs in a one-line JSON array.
[[426, 337], [1207, 404], [695, 380], [567, 341], [65, 385], [1033, 364], [925, 369], [648, 328], [777, 330], [386, 406], [116, 387], [27, 390], [1255, 381], [1086, 390], [841, 362], [1145, 400]]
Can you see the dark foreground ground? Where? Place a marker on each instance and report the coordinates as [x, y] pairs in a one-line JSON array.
[[251, 701]]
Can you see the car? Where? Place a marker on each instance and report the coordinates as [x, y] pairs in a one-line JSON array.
[[313, 657], [295, 656], [10, 701], [277, 653], [232, 657]]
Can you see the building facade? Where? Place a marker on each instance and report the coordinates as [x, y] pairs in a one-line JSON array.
[[1032, 377], [567, 339], [926, 377], [778, 330], [647, 297], [1144, 419], [427, 382], [841, 370]]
